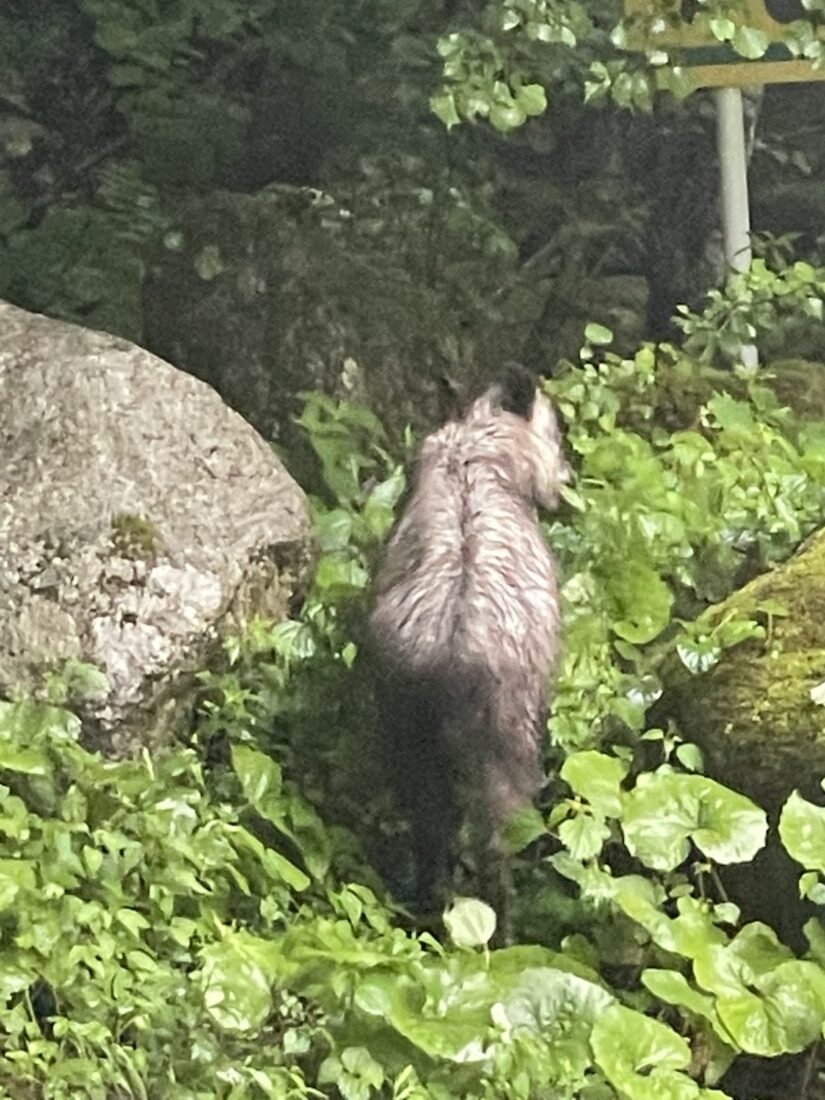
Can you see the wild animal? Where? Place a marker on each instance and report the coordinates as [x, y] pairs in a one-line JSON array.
[[465, 633]]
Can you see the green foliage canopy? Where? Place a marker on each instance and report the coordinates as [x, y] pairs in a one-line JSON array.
[[190, 924]]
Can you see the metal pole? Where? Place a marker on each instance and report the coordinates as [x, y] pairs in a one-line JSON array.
[[733, 163]]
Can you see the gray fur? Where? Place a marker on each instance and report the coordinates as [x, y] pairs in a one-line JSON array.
[[465, 631]]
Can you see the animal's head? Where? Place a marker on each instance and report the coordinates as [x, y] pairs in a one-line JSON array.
[[538, 453]]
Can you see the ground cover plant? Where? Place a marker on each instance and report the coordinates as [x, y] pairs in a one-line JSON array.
[[212, 922]]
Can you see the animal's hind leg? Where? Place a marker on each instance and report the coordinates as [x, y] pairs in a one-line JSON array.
[[424, 782], [433, 817]]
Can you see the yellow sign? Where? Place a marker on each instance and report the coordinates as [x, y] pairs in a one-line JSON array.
[[682, 30]]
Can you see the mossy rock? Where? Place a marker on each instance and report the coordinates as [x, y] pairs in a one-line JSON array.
[[753, 713], [760, 729]]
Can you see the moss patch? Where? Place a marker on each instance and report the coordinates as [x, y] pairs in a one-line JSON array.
[[135, 537], [753, 714]]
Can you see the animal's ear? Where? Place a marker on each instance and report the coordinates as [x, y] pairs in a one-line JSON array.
[[518, 390]]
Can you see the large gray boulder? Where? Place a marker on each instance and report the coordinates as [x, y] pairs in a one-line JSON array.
[[140, 521]]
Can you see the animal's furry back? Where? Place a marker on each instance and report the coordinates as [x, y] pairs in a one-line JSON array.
[[466, 619]]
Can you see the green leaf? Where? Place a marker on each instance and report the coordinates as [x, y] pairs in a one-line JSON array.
[[660, 815], [532, 99], [116, 37], [750, 42], [25, 761], [235, 980], [276, 866], [755, 951], [786, 1018], [444, 108], [261, 781], [16, 875], [447, 1010], [596, 777], [689, 756], [334, 530], [92, 860], [769, 1003], [584, 835], [666, 811], [293, 640], [643, 602], [470, 922], [26, 722], [639, 1056], [723, 29], [359, 1062], [127, 76], [732, 829], [732, 415], [379, 510], [802, 831], [506, 117], [523, 828], [208, 263], [673, 987], [337, 578], [132, 920], [598, 334]]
